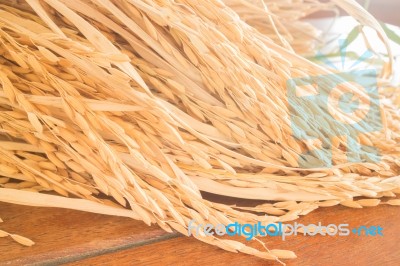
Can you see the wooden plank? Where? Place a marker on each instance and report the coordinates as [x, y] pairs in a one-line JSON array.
[[65, 235], [311, 250]]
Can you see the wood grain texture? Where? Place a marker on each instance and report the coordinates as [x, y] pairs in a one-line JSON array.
[[65, 235], [311, 250]]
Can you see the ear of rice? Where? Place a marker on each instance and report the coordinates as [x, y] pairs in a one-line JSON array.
[[151, 102]]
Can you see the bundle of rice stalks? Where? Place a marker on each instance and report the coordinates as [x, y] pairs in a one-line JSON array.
[[151, 102], [281, 20]]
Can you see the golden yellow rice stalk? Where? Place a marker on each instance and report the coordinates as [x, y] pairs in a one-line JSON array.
[[151, 102], [281, 20]]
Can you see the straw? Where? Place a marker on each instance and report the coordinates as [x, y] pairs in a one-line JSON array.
[[150, 103]]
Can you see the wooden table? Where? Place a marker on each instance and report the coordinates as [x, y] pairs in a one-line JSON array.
[[77, 238], [65, 236]]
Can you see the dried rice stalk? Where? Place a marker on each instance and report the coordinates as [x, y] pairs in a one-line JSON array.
[[150, 102], [281, 20], [17, 238]]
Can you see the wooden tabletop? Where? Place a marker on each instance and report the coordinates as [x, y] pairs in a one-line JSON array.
[[77, 238]]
